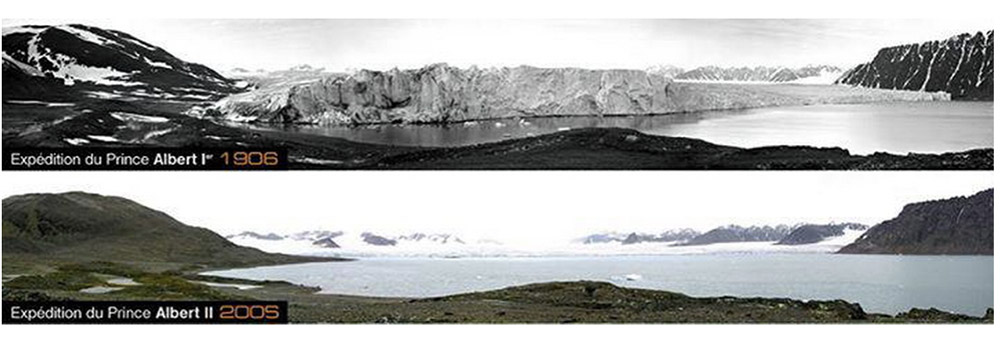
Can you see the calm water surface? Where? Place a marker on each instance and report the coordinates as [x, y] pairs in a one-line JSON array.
[[931, 127], [884, 284]]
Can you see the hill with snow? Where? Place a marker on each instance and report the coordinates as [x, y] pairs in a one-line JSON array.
[[58, 63]]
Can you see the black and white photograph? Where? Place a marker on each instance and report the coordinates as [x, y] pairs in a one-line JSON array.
[[512, 94]]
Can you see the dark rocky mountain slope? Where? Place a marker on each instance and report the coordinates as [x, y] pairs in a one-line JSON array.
[[81, 227], [961, 66], [956, 226]]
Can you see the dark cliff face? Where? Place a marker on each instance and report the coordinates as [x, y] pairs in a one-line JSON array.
[[956, 226], [58, 62], [961, 66], [813, 233]]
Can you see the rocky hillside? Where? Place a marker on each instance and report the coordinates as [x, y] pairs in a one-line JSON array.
[[81, 227], [956, 226], [961, 66], [56, 62], [813, 233], [817, 74]]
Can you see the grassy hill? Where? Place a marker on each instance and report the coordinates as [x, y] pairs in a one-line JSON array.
[[80, 227]]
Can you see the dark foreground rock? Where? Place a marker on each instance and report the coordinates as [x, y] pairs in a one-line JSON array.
[[595, 302]]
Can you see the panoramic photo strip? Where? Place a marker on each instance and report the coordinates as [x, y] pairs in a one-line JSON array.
[[744, 94], [730, 248]]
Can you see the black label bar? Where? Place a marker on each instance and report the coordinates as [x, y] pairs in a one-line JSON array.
[[145, 312], [43, 159]]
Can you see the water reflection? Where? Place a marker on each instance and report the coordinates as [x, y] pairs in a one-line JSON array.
[[904, 127]]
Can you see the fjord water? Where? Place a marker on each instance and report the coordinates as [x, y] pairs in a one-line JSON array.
[[880, 283], [897, 127]]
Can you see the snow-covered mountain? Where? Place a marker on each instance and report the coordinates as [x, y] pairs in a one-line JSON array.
[[737, 233], [49, 63], [961, 66], [813, 74]]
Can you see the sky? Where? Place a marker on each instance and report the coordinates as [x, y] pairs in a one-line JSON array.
[[380, 44], [517, 208]]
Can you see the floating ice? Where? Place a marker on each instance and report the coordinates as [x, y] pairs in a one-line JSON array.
[[125, 116]]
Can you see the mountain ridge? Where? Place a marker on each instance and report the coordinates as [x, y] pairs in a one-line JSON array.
[[961, 65], [820, 73], [961, 225]]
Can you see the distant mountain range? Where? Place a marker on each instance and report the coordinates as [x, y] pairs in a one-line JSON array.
[[80, 227], [736, 233], [955, 226], [68, 62], [799, 234], [318, 241], [635, 238], [339, 242], [818, 74], [961, 66]]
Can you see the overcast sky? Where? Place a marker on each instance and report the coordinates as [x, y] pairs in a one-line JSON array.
[[513, 207], [342, 44]]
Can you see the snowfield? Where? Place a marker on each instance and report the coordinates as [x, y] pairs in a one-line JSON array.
[[125, 116]]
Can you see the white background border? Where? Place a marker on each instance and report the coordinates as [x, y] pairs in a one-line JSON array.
[[497, 9]]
